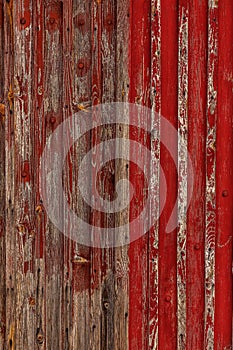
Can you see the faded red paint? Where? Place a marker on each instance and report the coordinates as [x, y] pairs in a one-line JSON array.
[[163, 291]]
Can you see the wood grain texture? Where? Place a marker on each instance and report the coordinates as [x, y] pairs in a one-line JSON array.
[[223, 310], [212, 115], [197, 100], [2, 185], [155, 173], [139, 72], [183, 81], [168, 241], [164, 290]]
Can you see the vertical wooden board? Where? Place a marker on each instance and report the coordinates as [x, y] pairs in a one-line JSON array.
[[139, 73], [167, 241], [97, 267], [53, 108], [107, 181], [183, 118], [68, 307], [121, 260], [8, 46], [155, 171], [224, 146], [19, 155], [38, 139], [197, 100], [76, 95], [99, 303], [2, 52], [211, 210], [105, 264], [2, 183]]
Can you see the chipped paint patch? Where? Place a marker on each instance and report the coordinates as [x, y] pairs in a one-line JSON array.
[[182, 174], [211, 178]]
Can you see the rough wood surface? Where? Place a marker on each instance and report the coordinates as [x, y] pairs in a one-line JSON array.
[[166, 290]]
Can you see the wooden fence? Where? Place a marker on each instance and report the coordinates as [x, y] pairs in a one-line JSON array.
[[162, 291]]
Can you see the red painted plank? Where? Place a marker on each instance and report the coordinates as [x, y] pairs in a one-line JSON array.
[[224, 173], [153, 255], [167, 241], [139, 72], [197, 100]]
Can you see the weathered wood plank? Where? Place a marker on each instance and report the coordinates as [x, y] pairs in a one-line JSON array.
[[19, 155], [2, 184], [224, 203], [167, 290], [155, 173], [183, 81], [139, 93], [210, 232], [197, 100], [168, 241], [121, 261], [53, 253], [77, 91]]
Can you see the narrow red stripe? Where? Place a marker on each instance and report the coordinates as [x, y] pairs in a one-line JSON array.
[[167, 242], [224, 173], [138, 251], [197, 92]]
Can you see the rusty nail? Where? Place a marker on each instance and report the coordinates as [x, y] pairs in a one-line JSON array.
[[24, 174], [197, 246], [40, 338], [52, 20], [168, 298], [31, 301], [52, 120], [31, 234], [2, 109], [225, 193], [80, 65], [21, 228], [22, 20], [39, 209]]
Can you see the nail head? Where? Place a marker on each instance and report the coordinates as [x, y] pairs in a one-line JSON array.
[[81, 22], [40, 338], [109, 20], [52, 120], [225, 193], [23, 21]]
